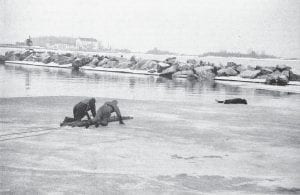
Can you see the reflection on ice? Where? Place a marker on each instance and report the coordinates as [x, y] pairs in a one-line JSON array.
[[51, 81]]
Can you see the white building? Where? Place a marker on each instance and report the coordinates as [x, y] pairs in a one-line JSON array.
[[87, 44]]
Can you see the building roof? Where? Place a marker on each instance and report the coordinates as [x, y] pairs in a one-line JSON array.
[[88, 39]]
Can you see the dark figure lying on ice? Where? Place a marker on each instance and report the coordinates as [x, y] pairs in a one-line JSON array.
[[233, 101]]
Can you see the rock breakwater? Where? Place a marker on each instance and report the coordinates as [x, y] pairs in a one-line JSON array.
[[170, 67]]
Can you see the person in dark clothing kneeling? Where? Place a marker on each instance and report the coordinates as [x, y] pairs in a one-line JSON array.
[[105, 111], [233, 101], [81, 109]]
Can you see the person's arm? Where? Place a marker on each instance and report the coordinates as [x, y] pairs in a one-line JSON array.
[[117, 110]]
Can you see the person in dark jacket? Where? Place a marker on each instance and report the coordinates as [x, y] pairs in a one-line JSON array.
[[81, 109], [105, 111], [233, 101]]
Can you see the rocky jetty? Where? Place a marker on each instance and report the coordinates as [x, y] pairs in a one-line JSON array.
[[170, 67]]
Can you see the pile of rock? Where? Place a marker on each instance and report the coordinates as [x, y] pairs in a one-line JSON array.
[[192, 69], [278, 75], [170, 67]]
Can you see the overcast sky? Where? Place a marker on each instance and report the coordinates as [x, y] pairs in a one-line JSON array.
[[185, 26]]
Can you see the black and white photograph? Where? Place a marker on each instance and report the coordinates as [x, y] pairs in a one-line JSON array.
[[149, 97]]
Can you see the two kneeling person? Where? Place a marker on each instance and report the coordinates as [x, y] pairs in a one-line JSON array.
[[103, 114]]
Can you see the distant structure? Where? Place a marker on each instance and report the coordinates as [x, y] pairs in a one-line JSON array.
[[87, 44], [159, 52], [29, 41]]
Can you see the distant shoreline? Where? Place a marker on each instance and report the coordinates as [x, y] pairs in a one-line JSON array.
[[251, 54], [292, 59]]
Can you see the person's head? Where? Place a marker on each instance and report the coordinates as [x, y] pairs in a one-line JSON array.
[[115, 102], [244, 101]]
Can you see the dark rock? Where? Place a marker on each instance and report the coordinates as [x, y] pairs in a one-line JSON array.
[[231, 65], [146, 65], [62, 59], [94, 62], [282, 80], [272, 68], [43, 57], [234, 66], [218, 66], [257, 67], [171, 60], [251, 74], [31, 57], [68, 55], [79, 62], [282, 67], [294, 77], [271, 80], [103, 62], [205, 72], [139, 64], [240, 68], [286, 73], [183, 74], [249, 67], [276, 73], [17, 56], [184, 66], [266, 71], [210, 64], [133, 60], [261, 76], [2, 58], [227, 72], [277, 79], [25, 54], [111, 64], [87, 60], [114, 59], [124, 65], [162, 66], [170, 70], [192, 61], [12, 56], [203, 68], [150, 64]]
